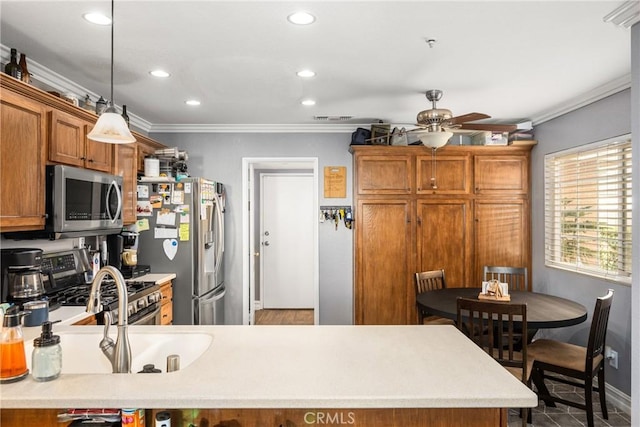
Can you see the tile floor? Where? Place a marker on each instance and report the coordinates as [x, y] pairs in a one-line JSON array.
[[565, 416]]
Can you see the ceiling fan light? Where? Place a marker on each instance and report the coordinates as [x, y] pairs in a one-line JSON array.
[[111, 129], [435, 139]]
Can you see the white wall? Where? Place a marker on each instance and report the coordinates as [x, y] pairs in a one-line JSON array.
[[219, 157], [598, 121]]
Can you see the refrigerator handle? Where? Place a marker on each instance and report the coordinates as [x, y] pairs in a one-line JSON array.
[[220, 233], [208, 235]]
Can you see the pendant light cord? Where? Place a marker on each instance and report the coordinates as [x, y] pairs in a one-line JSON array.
[[112, 22]]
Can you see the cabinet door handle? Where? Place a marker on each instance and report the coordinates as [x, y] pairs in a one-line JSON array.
[[90, 160], [83, 158]]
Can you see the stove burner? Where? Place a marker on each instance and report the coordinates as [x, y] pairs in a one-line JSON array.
[[78, 295]]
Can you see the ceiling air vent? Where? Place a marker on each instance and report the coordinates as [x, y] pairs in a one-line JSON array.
[[332, 118]]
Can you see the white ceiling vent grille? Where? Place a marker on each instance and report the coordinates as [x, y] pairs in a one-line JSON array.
[[332, 118]]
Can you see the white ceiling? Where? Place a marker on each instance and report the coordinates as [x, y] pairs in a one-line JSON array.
[[513, 60]]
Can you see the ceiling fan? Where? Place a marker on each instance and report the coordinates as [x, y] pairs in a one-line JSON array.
[[435, 125]]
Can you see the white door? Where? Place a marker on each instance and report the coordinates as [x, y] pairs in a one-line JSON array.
[[286, 235]]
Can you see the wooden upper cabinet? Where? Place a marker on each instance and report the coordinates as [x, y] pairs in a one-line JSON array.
[[443, 174], [99, 155], [66, 139], [126, 166], [499, 175], [68, 143], [146, 146], [380, 174], [22, 162]]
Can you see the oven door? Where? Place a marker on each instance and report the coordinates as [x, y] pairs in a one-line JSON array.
[[147, 317]]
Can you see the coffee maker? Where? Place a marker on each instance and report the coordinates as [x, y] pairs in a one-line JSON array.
[[123, 254], [21, 275]]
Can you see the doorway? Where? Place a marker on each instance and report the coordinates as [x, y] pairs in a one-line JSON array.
[[286, 255], [279, 189]]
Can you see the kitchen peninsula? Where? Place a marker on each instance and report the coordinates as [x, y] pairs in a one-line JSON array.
[[367, 375]]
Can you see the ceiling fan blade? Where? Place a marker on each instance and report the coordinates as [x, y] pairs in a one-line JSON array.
[[489, 127], [471, 117]]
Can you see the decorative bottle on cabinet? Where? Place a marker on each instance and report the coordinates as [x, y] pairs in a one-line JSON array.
[[26, 77], [13, 68], [125, 116]]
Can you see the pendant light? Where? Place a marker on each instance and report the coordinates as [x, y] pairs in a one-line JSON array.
[[435, 139], [111, 127]]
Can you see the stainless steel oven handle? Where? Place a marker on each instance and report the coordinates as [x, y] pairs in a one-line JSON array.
[[119, 194], [152, 318]]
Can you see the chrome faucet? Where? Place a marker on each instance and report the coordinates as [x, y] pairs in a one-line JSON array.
[[119, 354]]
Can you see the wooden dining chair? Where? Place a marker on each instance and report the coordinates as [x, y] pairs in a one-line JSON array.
[[429, 281], [516, 277], [577, 364], [497, 328]]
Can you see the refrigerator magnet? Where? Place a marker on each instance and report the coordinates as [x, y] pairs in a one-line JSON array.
[[143, 191], [143, 208], [166, 217], [177, 197], [184, 232], [170, 247]]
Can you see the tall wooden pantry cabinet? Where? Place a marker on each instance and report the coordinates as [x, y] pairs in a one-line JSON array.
[[465, 207]]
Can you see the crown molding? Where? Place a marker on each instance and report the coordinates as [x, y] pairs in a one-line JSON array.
[[43, 76], [590, 97], [256, 128]]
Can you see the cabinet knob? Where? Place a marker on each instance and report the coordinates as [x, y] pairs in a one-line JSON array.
[[90, 160], [83, 158]]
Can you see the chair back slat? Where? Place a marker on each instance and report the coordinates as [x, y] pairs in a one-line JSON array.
[[490, 325], [599, 324], [429, 281], [516, 277]]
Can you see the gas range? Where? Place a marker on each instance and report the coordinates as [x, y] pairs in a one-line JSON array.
[[65, 284]]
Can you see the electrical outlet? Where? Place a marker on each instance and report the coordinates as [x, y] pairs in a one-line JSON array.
[[612, 355], [613, 361]]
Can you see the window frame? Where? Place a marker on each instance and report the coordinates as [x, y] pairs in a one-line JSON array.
[[591, 234]]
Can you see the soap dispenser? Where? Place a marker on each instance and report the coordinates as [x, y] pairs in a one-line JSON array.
[[13, 363], [46, 360]]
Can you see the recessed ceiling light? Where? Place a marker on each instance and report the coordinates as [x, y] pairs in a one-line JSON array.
[[301, 18], [192, 102], [308, 102], [159, 73], [97, 18], [306, 73]]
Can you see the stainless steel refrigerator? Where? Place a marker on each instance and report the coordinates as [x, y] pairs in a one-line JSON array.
[[181, 231]]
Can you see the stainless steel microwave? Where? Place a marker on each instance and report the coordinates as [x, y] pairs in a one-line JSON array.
[[82, 202]]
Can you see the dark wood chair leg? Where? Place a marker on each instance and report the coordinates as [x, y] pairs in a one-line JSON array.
[[601, 392], [537, 375], [588, 399]]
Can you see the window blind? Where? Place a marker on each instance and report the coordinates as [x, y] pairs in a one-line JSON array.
[[588, 209]]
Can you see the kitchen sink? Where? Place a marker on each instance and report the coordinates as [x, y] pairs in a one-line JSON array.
[[81, 354]]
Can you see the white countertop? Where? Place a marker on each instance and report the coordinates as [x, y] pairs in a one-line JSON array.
[[296, 367], [159, 278]]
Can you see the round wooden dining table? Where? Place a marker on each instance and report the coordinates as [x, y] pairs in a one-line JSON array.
[[543, 311]]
